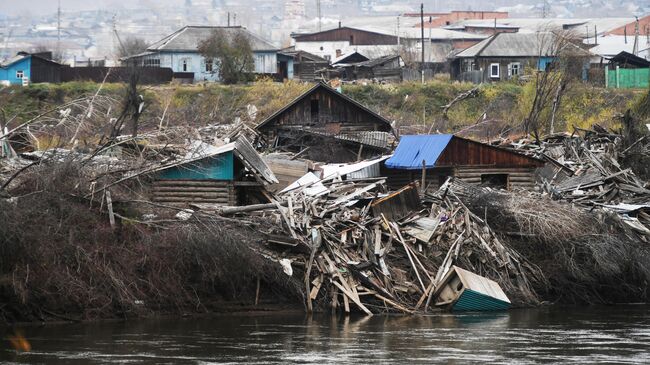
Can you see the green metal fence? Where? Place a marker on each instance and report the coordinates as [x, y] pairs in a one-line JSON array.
[[627, 78]]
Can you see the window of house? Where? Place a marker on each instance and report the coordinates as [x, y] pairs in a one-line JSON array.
[[514, 69], [328, 57], [497, 181], [152, 62], [351, 39], [20, 74], [185, 65], [494, 70], [208, 65]]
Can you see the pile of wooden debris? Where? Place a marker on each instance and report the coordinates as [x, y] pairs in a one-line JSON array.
[[591, 168], [362, 248]]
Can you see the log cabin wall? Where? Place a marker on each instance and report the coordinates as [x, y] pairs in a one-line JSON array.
[[195, 191], [514, 177]]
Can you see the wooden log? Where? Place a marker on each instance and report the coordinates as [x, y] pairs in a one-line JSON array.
[[109, 206], [215, 183]]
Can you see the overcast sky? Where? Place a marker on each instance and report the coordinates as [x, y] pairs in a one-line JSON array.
[[38, 7]]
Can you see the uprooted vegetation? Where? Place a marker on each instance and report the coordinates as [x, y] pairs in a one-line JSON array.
[[586, 257], [60, 258]]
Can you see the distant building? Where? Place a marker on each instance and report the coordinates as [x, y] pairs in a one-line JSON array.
[[333, 43], [179, 51], [26, 68], [306, 66], [504, 56], [442, 19]]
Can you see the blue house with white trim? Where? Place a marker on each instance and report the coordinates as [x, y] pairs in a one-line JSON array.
[[27, 68], [179, 51]]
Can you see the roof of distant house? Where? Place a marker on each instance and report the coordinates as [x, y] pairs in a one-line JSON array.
[[189, 37], [612, 45], [24, 55], [515, 45]]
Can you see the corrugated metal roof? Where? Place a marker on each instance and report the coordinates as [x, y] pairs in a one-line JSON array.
[[612, 45], [13, 60], [412, 150], [514, 45], [189, 37]]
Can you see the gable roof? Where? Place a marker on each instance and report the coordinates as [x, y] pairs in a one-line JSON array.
[[325, 87], [302, 37], [189, 37], [303, 56], [630, 59], [514, 45], [438, 150], [351, 57], [23, 56]]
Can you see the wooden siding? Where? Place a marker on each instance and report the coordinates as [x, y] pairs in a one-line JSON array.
[[194, 191], [335, 115], [354, 36], [520, 178], [463, 152], [308, 71], [45, 71]]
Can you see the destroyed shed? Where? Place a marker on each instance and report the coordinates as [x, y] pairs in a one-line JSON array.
[[434, 158], [325, 125], [232, 174], [382, 69]]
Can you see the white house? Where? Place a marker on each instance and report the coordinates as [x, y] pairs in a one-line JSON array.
[[179, 51]]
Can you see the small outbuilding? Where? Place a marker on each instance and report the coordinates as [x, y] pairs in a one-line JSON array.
[[440, 156], [327, 126], [231, 174], [26, 68]]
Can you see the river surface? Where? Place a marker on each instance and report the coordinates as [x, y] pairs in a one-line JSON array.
[[618, 334]]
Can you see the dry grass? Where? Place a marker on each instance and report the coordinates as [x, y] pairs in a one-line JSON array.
[[587, 257], [60, 257]]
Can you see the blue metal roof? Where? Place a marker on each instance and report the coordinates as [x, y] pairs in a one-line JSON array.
[[412, 150]]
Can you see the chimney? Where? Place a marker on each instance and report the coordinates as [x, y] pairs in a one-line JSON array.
[[339, 24]]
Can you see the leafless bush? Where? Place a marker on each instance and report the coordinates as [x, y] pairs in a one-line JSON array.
[[59, 257], [586, 256]]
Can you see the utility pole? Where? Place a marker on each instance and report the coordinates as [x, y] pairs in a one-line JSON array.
[[228, 18], [319, 15], [58, 29], [117, 36], [422, 38], [398, 37], [635, 49]]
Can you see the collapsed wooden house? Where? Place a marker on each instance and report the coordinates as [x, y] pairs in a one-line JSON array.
[[440, 156], [233, 174], [325, 125], [387, 68]]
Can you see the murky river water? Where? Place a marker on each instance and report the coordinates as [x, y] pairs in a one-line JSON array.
[[619, 334]]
